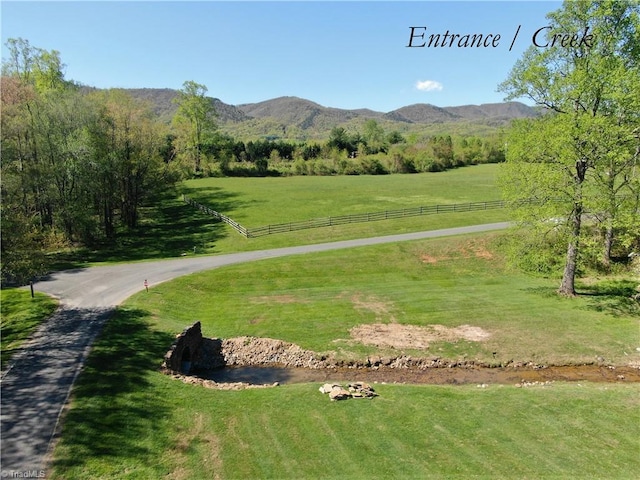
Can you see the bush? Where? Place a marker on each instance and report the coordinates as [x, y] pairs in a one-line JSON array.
[[371, 166], [399, 164], [535, 253]]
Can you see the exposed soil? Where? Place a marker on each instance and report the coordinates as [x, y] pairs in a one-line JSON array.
[[381, 308], [412, 336], [251, 362], [474, 248]]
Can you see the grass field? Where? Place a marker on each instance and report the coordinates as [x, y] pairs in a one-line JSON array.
[[133, 422], [254, 202], [21, 314], [149, 426], [172, 228]]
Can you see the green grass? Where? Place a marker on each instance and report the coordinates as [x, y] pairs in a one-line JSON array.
[[21, 315], [131, 421], [127, 420], [172, 228], [314, 300], [167, 229], [255, 202]]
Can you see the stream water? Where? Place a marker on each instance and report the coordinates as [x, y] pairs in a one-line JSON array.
[[435, 376]]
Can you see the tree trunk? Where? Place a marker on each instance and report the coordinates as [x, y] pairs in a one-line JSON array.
[[567, 287], [608, 244], [109, 229]]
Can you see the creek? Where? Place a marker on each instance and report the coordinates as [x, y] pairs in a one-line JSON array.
[[258, 375]]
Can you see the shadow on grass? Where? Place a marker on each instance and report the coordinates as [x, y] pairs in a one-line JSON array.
[[116, 414], [169, 228], [613, 297], [216, 198], [21, 315]]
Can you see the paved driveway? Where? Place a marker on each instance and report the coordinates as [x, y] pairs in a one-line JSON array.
[[37, 385]]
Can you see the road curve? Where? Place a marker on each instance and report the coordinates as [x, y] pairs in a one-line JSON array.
[[37, 384]]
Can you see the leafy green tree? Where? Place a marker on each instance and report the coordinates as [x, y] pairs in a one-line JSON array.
[[339, 138], [563, 160], [128, 166], [42, 143], [41, 124], [374, 137], [194, 122], [74, 165], [395, 137], [442, 147]]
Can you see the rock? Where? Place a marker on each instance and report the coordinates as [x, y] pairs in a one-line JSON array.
[[355, 390], [339, 393], [327, 387], [362, 390]]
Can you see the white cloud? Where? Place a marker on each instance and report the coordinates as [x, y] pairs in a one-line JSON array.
[[428, 85]]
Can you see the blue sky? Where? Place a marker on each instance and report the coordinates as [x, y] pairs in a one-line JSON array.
[[338, 54]]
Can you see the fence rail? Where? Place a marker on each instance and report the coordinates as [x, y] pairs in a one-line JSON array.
[[220, 216], [345, 219], [372, 217]]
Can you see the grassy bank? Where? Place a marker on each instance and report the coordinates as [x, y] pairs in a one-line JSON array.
[[133, 422], [21, 315], [315, 300], [127, 420]]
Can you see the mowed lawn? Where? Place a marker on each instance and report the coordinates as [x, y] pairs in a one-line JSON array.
[[260, 201], [257, 202], [170, 228], [315, 300], [128, 420]]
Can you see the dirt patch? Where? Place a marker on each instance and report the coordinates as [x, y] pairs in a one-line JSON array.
[[253, 362], [472, 249], [413, 336], [284, 299], [380, 308], [481, 252], [426, 258]]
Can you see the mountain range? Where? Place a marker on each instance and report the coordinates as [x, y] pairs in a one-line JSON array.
[[298, 117]]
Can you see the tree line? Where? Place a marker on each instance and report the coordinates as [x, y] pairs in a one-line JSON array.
[[370, 152], [77, 164]]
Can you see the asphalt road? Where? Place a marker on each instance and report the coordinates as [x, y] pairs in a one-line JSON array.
[[37, 384]]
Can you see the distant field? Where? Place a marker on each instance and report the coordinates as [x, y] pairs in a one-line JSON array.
[[259, 201], [255, 202], [171, 228]]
